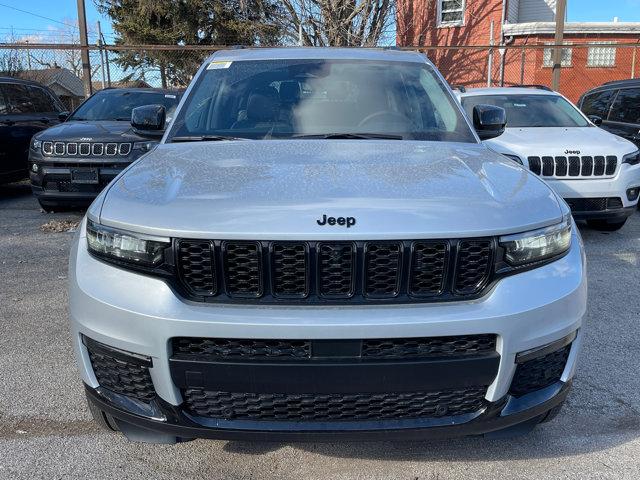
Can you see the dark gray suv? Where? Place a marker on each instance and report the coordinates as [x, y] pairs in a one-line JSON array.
[[72, 162]]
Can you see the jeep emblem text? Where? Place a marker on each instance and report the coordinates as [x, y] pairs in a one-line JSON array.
[[342, 221], [572, 152]]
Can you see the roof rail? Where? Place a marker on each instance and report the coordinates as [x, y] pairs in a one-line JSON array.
[[626, 80], [460, 88], [537, 87]]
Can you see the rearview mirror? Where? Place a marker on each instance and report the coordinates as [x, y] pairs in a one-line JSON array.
[[489, 121], [595, 119], [149, 120]]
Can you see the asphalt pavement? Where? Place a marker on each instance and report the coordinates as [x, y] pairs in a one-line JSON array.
[[46, 431]]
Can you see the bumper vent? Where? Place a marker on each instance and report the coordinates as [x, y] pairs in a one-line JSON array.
[[221, 349], [594, 204], [326, 272], [585, 166], [540, 372], [234, 349], [333, 407], [120, 372], [398, 348]]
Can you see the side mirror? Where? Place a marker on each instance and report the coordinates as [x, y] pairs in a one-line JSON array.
[[149, 120], [62, 116], [595, 119], [489, 121]]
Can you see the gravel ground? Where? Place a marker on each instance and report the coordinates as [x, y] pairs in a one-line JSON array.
[[46, 430]]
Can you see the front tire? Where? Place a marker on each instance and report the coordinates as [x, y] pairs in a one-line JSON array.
[[553, 413], [103, 419], [606, 225]]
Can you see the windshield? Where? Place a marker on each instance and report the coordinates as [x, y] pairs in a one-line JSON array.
[[531, 110], [117, 104], [318, 98]]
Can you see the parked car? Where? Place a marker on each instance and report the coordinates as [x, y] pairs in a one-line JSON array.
[[72, 162], [597, 173], [25, 109], [321, 246], [615, 106]]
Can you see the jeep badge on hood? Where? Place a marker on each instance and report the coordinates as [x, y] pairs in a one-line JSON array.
[[348, 221]]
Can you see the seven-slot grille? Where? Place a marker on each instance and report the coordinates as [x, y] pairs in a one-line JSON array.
[[95, 149], [574, 166], [334, 271]]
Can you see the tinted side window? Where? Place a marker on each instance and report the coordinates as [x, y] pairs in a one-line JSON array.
[[626, 107], [18, 98], [598, 103], [4, 109], [42, 101]]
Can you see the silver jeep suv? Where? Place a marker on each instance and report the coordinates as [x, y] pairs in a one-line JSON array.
[[322, 247]]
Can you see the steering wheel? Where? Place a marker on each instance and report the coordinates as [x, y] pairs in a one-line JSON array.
[[384, 114]]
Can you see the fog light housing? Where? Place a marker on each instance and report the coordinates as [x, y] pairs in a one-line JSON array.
[[632, 194], [34, 168]]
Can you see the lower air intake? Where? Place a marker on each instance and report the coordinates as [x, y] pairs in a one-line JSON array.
[[333, 407]]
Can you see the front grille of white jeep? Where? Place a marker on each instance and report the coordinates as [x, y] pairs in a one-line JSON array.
[[573, 166], [282, 272]]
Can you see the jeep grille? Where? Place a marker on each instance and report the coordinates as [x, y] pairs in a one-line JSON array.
[[277, 271]]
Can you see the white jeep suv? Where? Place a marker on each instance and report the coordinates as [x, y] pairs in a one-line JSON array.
[[322, 246], [596, 172]]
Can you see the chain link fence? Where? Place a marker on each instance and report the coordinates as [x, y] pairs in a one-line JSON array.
[[60, 66], [584, 65]]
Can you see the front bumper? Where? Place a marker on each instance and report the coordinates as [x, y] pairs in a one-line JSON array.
[[610, 193], [53, 184], [524, 312]]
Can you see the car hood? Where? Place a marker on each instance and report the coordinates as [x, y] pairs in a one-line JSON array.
[[87, 131], [556, 141], [278, 189]]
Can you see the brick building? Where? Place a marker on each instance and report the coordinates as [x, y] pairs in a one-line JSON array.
[[596, 52]]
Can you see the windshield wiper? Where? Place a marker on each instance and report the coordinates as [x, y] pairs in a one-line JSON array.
[[352, 136], [205, 138]]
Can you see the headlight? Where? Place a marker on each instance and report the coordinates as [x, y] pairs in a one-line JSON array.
[[125, 246], [144, 146], [36, 144], [632, 158], [537, 245]]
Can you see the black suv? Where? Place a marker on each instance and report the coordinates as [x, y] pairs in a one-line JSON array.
[[25, 109], [72, 162], [617, 104]]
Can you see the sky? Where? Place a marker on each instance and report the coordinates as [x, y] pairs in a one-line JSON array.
[[30, 25]]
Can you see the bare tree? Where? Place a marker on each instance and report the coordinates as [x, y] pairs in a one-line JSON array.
[[339, 23]]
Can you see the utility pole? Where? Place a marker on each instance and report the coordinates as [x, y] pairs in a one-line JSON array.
[[561, 9], [101, 53], [106, 57], [490, 59], [84, 48]]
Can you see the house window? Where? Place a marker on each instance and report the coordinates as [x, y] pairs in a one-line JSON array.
[[602, 56], [451, 12], [547, 57]]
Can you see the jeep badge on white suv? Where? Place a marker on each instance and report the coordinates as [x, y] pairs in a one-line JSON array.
[[596, 172], [322, 247]]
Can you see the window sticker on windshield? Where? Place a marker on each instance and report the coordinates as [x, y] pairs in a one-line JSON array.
[[522, 105], [215, 65], [169, 96]]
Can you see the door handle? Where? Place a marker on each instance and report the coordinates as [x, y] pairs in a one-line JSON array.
[[45, 120], [7, 122]]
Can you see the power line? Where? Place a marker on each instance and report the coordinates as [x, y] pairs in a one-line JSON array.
[[37, 15]]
